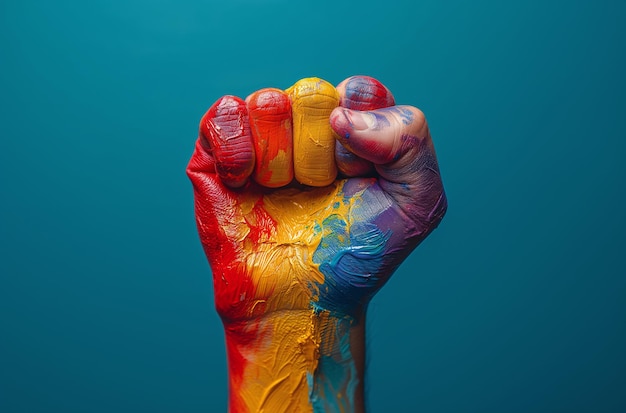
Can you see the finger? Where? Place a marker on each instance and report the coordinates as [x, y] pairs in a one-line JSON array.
[[227, 131], [312, 101], [380, 136], [210, 195], [359, 93], [398, 142], [270, 124], [364, 93]]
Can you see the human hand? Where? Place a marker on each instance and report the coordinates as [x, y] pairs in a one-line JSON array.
[[295, 262]]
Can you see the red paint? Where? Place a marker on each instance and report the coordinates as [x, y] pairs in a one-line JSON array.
[[270, 125], [231, 279], [225, 127], [365, 93], [262, 225]]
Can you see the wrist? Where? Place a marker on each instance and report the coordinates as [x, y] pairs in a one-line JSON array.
[[296, 361]]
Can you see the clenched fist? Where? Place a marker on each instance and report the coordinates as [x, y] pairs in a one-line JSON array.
[[307, 200]]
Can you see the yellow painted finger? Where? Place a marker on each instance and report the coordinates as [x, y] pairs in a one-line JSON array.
[[312, 101]]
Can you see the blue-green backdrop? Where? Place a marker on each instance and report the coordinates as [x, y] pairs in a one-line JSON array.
[[517, 303]]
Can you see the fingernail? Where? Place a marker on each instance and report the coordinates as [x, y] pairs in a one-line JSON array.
[[359, 120]]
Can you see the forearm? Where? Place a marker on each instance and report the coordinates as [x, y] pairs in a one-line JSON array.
[[296, 361]]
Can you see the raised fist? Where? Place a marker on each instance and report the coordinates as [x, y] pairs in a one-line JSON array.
[[306, 202]]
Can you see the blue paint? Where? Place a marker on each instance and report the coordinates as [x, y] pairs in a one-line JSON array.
[[343, 155], [358, 90], [335, 374], [351, 258], [406, 115], [381, 120], [317, 228], [310, 381], [352, 90]]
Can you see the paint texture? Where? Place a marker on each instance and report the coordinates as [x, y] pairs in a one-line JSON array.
[[359, 93], [269, 111], [226, 127], [294, 266], [312, 101]]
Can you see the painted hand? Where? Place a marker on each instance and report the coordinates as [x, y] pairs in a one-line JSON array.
[[295, 261]]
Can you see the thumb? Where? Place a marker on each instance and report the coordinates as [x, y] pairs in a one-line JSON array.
[[380, 136], [398, 142]]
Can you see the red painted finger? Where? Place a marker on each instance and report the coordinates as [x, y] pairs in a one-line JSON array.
[[270, 124], [225, 127]]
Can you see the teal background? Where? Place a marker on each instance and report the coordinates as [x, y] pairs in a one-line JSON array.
[[517, 303]]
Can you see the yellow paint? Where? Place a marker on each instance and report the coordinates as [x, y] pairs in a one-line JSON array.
[[283, 263], [285, 354], [312, 101], [276, 375], [278, 169]]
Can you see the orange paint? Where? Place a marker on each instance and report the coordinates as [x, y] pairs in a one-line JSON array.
[[270, 123]]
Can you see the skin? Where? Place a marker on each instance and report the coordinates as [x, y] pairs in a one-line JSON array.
[[295, 263]]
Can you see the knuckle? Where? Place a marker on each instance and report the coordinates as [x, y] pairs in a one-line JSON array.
[[312, 101], [228, 133], [365, 93]]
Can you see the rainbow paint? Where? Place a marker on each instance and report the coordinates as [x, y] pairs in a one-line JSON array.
[[295, 266]]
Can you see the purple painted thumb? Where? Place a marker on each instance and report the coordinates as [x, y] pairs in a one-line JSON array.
[[397, 141], [378, 135]]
